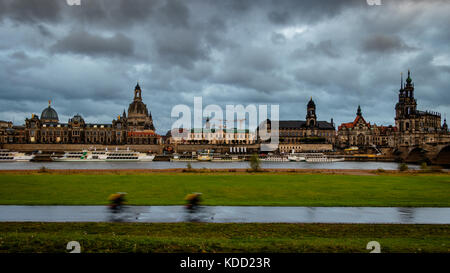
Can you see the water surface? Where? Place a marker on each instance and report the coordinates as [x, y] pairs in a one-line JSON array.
[[198, 165]]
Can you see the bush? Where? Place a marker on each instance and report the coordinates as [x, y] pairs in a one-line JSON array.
[[43, 169], [402, 167], [189, 166], [255, 163], [424, 166], [381, 170]]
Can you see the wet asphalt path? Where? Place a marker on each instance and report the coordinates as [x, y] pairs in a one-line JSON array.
[[224, 214]]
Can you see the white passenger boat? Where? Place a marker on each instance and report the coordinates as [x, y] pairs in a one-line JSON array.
[[128, 156], [204, 157], [296, 157], [183, 158], [275, 158], [92, 156], [8, 156], [227, 159], [321, 158]]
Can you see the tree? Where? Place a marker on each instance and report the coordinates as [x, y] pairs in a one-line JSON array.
[[255, 163], [402, 167]]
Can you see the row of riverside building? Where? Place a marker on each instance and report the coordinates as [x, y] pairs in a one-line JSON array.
[[135, 127]]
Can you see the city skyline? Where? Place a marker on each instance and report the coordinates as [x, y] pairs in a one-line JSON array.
[[344, 53], [204, 123]]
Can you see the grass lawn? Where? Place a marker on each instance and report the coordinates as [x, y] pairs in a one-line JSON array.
[[202, 237], [265, 189]]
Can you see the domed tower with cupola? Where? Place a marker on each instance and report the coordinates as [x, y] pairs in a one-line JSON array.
[[77, 121], [138, 115], [311, 118], [49, 115]]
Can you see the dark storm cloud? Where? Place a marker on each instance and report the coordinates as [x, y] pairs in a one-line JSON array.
[[284, 12], [181, 48], [44, 31], [20, 55], [279, 17], [385, 44], [82, 42], [175, 13], [88, 58], [278, 38], [325, 48], [32, 11]]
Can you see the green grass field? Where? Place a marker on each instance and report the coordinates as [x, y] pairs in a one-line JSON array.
[[202, 237], [414, 190]]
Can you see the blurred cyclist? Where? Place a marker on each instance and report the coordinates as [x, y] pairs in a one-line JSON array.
[[193, 201], [117, 201]]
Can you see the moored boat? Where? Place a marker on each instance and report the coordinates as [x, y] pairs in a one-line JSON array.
[[8, 156], [321, 158], [93, 156]]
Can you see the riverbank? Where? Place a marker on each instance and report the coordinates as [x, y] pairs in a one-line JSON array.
[[202, 237], [411, 189], [225, 171]]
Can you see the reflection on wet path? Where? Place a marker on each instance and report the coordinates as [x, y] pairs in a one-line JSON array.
[[223, 214]]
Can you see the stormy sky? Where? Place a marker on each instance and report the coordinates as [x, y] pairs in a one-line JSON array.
[[87, 59]]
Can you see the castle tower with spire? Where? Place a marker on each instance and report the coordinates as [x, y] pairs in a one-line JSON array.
[[407, 117]]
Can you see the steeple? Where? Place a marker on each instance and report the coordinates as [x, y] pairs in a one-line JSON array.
[[124, 115], [408, 80], [137, 92], [445, 126], [311, 118], [358, 112], [401, 80]]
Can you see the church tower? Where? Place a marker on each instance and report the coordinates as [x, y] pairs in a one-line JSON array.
[[406, 107], [358, 112], [138, 115], [311, 118]]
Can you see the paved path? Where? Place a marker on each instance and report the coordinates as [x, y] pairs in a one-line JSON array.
[[222, 214]]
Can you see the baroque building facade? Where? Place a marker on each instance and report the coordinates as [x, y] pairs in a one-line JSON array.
[[210, 136], [412, 127], [361, 133], [293, 133], [136, 128]]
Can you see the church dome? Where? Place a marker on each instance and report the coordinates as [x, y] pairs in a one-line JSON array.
[[49, 114], [77, 119], [137, 107]]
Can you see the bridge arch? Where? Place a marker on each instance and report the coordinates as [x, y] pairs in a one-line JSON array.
[[417, 155], [443, 157]]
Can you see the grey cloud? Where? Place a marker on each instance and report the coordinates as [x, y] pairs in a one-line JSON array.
[[284, 12], [279, 17], [82, 42], [31, 11], [44, 31], [175, 13], [180, 48], [278, 38], [312, 50], [382, 43], [21, 55], [228, 51]]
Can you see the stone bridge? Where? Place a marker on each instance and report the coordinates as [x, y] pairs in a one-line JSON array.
[[436, 153]]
